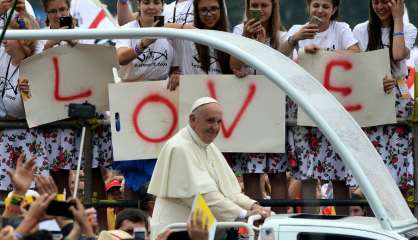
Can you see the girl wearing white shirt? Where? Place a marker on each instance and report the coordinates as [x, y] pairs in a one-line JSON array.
[[194, 58], [179, 11], [386, 29], [55, 9], [315, 157], [63, 144], [145, 59], [13, 142]]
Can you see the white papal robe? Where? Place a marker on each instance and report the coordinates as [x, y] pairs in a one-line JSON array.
[[185, 167]]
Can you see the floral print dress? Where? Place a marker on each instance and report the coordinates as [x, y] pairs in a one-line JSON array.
[[395, 144], [63, 145], [16, 141]]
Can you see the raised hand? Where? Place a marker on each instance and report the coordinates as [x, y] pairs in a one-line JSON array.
[[38, 208], [81, 218], [198, 227], [397, 7], [23, 175], [388, 84], [307, 31], [46, 185], [257, 209], [251, 28]]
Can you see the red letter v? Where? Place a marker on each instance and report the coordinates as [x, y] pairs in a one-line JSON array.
[[227, 132]]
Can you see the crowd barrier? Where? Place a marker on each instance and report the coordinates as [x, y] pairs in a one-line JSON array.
[[89, 200]]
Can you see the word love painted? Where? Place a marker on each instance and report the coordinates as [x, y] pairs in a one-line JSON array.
[[227, 132], [345, 90]]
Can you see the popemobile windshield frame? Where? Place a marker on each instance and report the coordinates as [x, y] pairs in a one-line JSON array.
[[329, 115]]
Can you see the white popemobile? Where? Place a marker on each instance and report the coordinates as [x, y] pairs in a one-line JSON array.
[[393, 218]]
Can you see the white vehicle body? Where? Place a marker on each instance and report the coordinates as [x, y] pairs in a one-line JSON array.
[[303, 227]]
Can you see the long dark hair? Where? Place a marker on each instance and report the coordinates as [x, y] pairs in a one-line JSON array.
[[202, 50], [274, 22], [374, 30]]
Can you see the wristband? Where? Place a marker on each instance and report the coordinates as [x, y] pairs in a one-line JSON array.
[[398, 34], [138, 50], [123, 2], [18, 235], [292, 41]]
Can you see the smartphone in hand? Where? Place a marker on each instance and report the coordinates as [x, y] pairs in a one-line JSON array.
[[315, 20], [66, 22], [59, 208], [139, 233], [255, 14], [160, 20]]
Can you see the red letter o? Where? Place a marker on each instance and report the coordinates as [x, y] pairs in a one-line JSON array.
[[157, 99]]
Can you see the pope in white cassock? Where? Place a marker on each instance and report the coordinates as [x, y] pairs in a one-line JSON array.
[[190, 163]]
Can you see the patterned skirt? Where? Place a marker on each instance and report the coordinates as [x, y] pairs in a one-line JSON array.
[[315, 157], [396, 147], [55, 149], [242, 163], [64, 144], [15, 141]]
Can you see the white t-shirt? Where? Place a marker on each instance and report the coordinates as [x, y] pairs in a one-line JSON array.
[[361, 33], [10, 102], [153, 64], [183, 12], [338, 36], [239, 29], [188, 58]]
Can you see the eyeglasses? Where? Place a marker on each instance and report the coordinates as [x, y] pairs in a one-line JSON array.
[[59, 10], [206, 11]]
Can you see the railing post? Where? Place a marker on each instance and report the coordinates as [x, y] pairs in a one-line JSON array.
[[88, 163], [415, 137]]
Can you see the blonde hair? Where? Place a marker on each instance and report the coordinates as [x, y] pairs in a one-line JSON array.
[[274, 22], [25, 22]]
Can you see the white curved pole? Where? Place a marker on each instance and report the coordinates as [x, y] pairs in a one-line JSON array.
[[338, 126]]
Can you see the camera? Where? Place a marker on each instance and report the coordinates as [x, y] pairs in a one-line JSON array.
[[160, 20], [66, 22], [315, 20], [255, 14], [81, 110], [59, 208]]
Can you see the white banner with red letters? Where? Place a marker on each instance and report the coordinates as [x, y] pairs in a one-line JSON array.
[[63, 75], [144, 115], [356, 80]]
